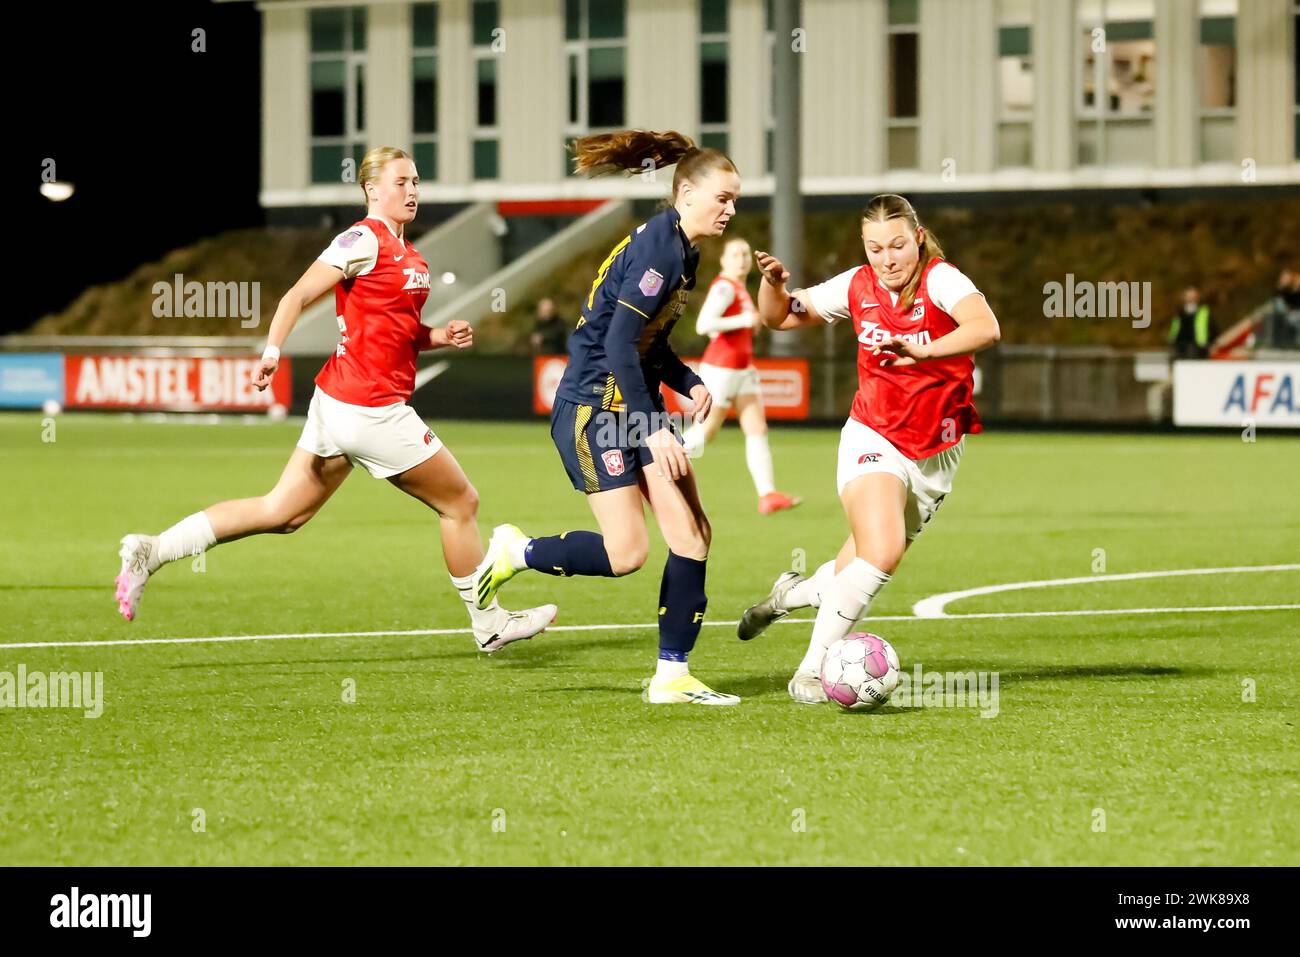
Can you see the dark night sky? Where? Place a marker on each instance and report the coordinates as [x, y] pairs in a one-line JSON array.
[[162, 143]]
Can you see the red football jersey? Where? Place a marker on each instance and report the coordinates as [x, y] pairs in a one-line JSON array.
[[733, 349], [924, 408], [378, 309]]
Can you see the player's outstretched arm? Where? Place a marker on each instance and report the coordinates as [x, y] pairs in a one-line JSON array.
[[457, 333], [977, 329], [319, 279], [777, 307]]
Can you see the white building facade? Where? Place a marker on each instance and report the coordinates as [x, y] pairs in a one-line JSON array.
[[903, 95]]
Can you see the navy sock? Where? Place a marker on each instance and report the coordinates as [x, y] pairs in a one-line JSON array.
[[573, 553], [681, 606]]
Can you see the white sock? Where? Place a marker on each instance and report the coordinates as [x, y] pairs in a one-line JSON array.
[[843, 604], [668, 670], [190, 536], [486, 620], [809, 592], [758, 456], [516, 554], [693, 441]]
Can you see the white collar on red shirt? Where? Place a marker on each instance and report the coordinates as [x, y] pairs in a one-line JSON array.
[[383, 219]]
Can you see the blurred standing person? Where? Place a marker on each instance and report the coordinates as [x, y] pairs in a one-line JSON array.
[[550, 335], [1283, 331], [728, 318], [1190, 330]]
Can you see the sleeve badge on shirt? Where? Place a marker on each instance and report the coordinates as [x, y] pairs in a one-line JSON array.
[[613, 460], [651, 282], [349, 238]]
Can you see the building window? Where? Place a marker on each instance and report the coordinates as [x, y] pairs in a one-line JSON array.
[[1217, 75], [338, 86], [713, 74], [1015, 83], [904, 84], [595, 48], [1117, 73], [424, 88], [485, 15]]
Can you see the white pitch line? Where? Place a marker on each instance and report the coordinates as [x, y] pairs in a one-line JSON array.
[[288, 636], [933, 607], [1195, 609]]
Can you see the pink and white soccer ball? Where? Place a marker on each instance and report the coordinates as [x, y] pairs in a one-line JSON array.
[[860, 671]]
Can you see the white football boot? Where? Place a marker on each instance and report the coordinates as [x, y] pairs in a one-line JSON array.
[[137, 554], [757, 617], [806, 688], [516, 626]]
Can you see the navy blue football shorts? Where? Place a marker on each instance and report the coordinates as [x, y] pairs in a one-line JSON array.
[[596, 447]]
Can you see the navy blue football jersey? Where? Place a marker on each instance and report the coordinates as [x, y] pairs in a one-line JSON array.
[[651, 272]]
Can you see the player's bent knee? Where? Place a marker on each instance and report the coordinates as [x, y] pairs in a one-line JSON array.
[[885, 559], [467, 502], [625, 559], [461, 506]]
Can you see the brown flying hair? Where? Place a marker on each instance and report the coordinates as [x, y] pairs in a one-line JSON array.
[[629, 150]]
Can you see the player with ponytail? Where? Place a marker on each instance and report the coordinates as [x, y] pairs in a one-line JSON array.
[[616, 441], [918, 321]]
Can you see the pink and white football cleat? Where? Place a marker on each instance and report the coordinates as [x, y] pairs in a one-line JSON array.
[[137, 554]]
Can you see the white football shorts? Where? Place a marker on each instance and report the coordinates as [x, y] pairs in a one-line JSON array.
[[726, 385], [864, 450], [385, 440]]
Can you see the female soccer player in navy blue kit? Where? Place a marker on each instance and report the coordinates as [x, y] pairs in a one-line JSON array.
[[608, 422]]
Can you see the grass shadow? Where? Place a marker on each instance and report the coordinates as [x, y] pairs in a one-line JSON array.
[[529, 654], [1072, 672]]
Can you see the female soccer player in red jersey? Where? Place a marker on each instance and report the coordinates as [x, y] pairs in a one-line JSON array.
[[608, 423], [358, 414], [918, 321], [728, 318]]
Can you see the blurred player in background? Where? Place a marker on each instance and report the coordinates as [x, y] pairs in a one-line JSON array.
[[358, 414], [918, 321], [728, 318], [608, 422]]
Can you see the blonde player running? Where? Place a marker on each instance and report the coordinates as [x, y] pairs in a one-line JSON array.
[[358, 414], [729, 318], [918, 321]]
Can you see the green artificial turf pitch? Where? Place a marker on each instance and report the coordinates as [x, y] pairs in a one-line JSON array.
[[1119, 739]]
